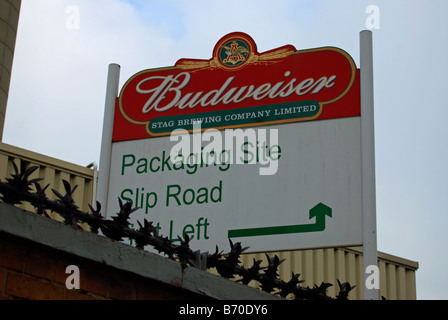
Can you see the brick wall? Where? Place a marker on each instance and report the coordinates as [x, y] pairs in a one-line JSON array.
[[35, 252], [34, 272]]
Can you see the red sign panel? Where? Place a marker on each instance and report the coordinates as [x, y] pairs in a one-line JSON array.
[[239, 87]]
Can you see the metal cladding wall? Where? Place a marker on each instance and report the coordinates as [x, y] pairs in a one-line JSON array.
[[52, 171], [9, 19], [397, 275]]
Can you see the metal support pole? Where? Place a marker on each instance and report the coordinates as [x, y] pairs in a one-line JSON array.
[[94, 165], [106, 141], [370, 255]]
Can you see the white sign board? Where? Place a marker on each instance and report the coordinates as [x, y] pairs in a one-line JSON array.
[[319, 167]]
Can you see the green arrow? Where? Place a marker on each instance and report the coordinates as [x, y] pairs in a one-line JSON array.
[[319, 211]]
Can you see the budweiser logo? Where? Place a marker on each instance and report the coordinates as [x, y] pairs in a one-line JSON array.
[[167, 92]]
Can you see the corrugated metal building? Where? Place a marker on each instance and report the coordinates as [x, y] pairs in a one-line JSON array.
[[53, 172], [397, 275]]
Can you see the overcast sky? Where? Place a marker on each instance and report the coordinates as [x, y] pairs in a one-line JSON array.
[[58, 85]]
